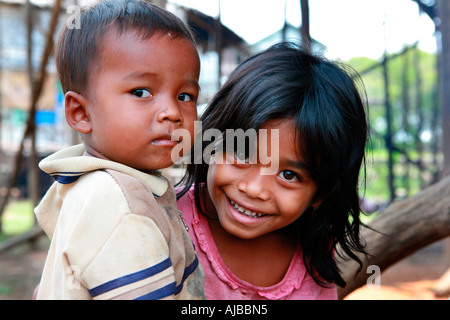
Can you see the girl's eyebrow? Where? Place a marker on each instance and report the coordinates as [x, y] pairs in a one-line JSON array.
[[194, 83], [296, 164]]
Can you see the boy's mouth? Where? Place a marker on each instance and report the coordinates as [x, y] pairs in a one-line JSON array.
[[165, 140]]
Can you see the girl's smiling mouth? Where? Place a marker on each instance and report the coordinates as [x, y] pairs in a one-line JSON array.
[[245, 215], [247, 212]]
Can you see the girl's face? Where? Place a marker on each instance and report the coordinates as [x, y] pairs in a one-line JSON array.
[[249, 202]]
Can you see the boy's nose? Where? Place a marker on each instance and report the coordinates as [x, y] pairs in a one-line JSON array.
[[170, 112]]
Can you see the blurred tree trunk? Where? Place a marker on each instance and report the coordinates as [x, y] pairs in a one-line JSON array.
[[304, 28], [32, 163], [444, 60], [218, 45], [444, 28], [36, 92], [401, 229], [406, 103], [388, 137], [421, 117], [1, 66]]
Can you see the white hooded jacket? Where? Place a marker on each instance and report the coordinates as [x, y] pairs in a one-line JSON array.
[[115, 233]]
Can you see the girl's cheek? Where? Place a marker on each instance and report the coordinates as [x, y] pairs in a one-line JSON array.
[[292, 203], [219, 174], [211, 174]]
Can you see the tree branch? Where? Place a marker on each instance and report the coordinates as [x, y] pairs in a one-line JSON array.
[[401, 229]]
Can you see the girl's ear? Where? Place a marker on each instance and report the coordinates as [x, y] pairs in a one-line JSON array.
[[316, 201], [76, 114]]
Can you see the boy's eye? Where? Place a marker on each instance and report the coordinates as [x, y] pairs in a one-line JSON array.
[[141, 93], [288, 175], [185, 97]]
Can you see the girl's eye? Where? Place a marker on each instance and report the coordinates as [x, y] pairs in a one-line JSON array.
[[185, 97], [288, 175], [141, 93], [241, 156]]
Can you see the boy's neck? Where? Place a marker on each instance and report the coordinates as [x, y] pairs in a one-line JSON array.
[[93, 153]]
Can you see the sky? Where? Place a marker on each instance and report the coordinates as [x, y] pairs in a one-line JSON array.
[[349, 28]]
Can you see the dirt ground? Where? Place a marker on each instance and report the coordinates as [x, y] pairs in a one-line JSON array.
[[20, 270], [411, 279]]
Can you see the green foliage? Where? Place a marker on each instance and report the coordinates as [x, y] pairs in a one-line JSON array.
[[417, 62], [412, 122]]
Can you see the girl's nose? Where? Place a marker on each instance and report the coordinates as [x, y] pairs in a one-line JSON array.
[[255, 185]]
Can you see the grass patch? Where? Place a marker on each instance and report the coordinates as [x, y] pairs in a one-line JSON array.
[[5, 289], [17, 218]]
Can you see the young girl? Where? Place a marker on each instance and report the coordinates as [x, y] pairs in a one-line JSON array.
[[273, 236]]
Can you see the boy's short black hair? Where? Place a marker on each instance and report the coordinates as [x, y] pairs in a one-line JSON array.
[[78, 49]]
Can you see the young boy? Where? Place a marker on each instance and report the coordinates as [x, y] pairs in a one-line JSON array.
[[130, 78]]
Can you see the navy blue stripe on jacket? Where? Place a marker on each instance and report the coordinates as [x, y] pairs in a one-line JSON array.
[[165, 291], [131, 278]]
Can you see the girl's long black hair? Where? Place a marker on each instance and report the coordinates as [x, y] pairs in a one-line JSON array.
[[324, 101]]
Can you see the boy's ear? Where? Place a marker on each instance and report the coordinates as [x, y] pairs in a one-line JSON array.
[[76, 114]]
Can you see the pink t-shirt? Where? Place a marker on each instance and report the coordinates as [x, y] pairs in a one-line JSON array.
[[222, 284]]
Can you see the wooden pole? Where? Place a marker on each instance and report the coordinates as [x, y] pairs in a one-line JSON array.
[[218, 37], [32, 161], [405, 120], [1, 66], [304, 28], [388, 137], [444, 28]]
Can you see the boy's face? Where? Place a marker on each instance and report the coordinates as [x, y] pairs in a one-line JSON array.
[[141, 92]]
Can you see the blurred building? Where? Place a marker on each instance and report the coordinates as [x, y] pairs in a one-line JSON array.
[[288, 33], [15, 89], [16, 46], [221, 50]]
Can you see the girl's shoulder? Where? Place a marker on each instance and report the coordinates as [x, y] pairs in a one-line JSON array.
[[187, 199], [186, 205]]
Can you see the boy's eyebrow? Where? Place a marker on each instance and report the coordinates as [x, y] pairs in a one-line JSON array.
[[149, 75], [138, 75]]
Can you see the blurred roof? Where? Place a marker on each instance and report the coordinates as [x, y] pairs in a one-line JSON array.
[[204, 28], [42, 3], [287, 33]]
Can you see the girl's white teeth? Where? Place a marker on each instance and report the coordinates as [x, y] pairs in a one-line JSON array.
[[245, 211]]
